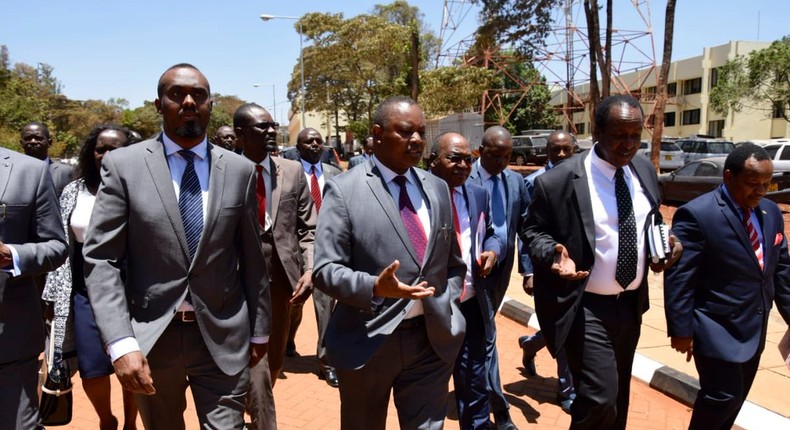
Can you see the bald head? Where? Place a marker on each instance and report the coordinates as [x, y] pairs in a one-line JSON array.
[[451, 158], [225, 137], [497, 135], [561, 146], [496, 149]]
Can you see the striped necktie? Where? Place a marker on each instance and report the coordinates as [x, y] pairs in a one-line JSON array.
[[315, 189], [190, 203], [754, 238]]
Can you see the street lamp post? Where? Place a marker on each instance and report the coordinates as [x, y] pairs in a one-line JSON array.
[[274, 100], [265, 17]]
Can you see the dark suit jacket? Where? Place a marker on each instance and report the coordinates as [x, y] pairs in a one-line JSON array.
[[328, 156], [716, 292], [62, 174], [477, 205], [136, 219], [31, 223], [293, 217], [516, 213], [360, 232], [561, 212]]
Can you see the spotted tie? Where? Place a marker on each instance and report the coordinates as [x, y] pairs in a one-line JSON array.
[[410, 219], [625, 273]]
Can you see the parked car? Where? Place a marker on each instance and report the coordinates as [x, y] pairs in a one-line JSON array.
[[529, 149], [780, 155], [702, 146], [700, 176], [670, 155]]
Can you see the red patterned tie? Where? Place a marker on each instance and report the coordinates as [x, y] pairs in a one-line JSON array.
[[753, 237], [457, 225], [261, 194], [410, 219], [315, 190]]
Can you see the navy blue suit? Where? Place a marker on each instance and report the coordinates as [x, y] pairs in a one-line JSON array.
[[717, 294], [469, 375], [517, 202]]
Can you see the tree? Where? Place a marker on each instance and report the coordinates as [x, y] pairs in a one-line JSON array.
[[661, 99], [522, 23], [760, 81], [467, 83]]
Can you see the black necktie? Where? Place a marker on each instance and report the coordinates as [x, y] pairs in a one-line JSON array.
[[626, 237]]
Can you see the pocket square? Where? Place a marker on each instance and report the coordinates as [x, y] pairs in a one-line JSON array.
[[778, 239]]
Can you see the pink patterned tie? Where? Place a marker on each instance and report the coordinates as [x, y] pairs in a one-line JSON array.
[[410, 219], [753, 237]]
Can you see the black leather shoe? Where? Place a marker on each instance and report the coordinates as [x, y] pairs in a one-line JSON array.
[[331, 377], [502, 421], [290, 349], [527, 359]]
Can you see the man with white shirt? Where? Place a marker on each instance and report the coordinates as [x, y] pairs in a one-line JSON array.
[[387, 252], [179, 215], [287, 218], [367, 152], [587, 243], [310, 146], [451, 160]]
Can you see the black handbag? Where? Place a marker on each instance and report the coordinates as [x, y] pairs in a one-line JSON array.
[[56, 398]]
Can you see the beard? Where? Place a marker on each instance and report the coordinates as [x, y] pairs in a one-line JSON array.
[[190, 130]]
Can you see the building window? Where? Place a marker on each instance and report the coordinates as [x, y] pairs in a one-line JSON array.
[[579, 128], [692, 86], [649, 90], [716, 128], [714, 77], [691, 116], [672, 89], [669, 119], [778, 110]]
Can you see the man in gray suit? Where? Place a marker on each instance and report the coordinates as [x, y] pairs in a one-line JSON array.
[[367, 152], [32, 243], [386, 250], [180, 215], [35, 140], [309, 143]]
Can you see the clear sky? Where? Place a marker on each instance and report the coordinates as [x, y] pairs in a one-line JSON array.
[[118, 48]]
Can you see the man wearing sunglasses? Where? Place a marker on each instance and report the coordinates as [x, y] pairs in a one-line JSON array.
[[287, 218], [451, 160]]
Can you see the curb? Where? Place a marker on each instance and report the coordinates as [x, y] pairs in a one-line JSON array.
[[664, 379]]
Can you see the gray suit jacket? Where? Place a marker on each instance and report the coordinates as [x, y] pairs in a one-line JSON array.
[[61, 174], [136, 219], [360, 232], [356, 160], [30, 222]]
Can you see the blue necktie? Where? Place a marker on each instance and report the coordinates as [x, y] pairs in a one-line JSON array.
[[498, 213], [190, 203]]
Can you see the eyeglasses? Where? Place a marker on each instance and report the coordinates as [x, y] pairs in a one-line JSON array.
[[455, 158], [266, 125]]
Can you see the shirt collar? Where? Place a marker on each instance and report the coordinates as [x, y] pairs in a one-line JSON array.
[[603, 166], [309, 167], [484, 175], [171, 147], [388, 174]]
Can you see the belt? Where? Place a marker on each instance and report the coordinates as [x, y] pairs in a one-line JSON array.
[[184, 316], [412, 323], [613, 297]]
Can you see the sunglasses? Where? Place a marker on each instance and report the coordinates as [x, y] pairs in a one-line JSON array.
[[457, 159]]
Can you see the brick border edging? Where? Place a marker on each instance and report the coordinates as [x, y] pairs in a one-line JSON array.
[[674, 383]]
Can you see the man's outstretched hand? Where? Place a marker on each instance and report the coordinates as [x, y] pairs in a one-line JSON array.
[[388, 285]]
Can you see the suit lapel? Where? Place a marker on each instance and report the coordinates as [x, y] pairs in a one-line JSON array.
[[582, 191], [276, 189], [432, 199], [5, 173], [216, 180], [384, 198], [163, 182]]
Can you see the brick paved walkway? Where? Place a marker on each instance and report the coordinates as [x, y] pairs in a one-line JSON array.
[[305, 402]]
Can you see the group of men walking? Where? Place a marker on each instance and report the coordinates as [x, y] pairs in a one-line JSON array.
[[197, 260]]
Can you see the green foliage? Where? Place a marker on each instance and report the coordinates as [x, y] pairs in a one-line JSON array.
[[760, 80], [524, 24], [524, 94], [144, 119], [453, 89]]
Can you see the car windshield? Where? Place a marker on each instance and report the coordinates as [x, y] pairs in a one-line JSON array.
[[670, 146], [720, 147], [643, 145], [539, 141], [771, 150]]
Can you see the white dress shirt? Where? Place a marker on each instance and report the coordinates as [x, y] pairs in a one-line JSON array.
[[420, 205], [466, 240], [600, 179], [308, 174]]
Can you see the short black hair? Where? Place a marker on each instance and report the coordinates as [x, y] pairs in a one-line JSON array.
[[603, 108], [491, 132], [86, 165], [241, 113], [381, 116], [37, 124], [736, 160], [160, 88], [303, 134]]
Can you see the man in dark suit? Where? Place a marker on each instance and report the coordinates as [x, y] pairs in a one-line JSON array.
[[35, 140], [451, 160], [225, 137], [309, 143], [718, 296], [328, 156], [179, 215], [561, 145], [287, 221], [587, 242], [32, 243], [367, 152], [386, 251], [509, 202]]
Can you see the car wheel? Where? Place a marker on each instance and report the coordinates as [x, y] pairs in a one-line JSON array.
[[521, 160]]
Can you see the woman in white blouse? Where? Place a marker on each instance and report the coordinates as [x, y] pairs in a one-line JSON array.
[[66, 286]]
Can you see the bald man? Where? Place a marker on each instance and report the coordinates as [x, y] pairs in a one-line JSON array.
[[226, 138]]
